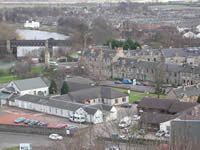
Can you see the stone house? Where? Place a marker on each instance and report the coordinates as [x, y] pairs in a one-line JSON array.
[[185, 93]]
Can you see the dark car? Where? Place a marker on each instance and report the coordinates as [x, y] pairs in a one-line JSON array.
[[137, 102], [126, 105], [27, 121], [118, 82]]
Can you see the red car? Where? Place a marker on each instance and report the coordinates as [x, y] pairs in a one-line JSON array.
[[146, 83], [61, 125]]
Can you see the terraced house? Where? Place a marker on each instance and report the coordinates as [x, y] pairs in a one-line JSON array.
[[112, 63]]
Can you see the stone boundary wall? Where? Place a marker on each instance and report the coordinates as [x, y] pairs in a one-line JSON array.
[[31, 129]]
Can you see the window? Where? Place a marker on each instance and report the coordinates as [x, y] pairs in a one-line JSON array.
[[174, 74], [61, 111], [49, 109], [123, 99], [116, 100], [154, 59], [34, 92]]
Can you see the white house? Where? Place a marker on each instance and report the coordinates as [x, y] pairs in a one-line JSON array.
[[34, 86], [31, 24], [93, 113]]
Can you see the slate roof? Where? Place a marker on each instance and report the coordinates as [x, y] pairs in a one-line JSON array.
[[96, 92], [171, 106], [182, 52], [155, 103], [192, 90], [74, 86], [79, 80], [28, 84], [155, 118], [54, 102]]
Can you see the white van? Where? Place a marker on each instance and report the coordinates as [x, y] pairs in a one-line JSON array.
[[77, 118], [125, 122]]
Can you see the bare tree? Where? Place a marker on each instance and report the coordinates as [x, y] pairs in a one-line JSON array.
[[102, 31], [158, 78]]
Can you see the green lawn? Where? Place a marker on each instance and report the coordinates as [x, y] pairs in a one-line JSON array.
[[137, 95], [5, 76], [13, 148]]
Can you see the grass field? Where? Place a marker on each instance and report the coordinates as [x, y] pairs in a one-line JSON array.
[[5, 76], [133, 96], [13, 148]]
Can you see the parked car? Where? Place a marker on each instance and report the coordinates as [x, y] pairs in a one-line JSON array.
[[118, 82], [141, 132], [115, 136], [167, 134], [123, 137], [127, 105], [61, 125], [53, 63], [19, 120], [27, 121], [127, 81], [42, 124], [33, 122], [138, 83], [136, 117], [125, 122], [137, 102], [160, 133], [146, 83], [55, 137]]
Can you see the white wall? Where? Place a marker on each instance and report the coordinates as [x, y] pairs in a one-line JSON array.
[[98, 117], [120, 101], [166, 125], [35, 91]]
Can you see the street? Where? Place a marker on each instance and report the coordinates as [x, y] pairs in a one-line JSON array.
[[8, 139]]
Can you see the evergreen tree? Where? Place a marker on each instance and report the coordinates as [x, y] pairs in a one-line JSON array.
[[53, 87], [198, 100], [64, 89]]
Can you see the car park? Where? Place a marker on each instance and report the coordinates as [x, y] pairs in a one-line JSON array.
[[160, 133], [55, 137], [127, 105], [19, 120], [61, 125]]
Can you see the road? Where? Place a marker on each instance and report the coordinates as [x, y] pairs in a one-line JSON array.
[[8, 139]]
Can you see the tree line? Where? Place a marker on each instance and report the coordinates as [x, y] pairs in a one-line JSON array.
[[127, 45]]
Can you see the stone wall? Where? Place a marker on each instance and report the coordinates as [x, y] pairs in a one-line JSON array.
[[31, 129]]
